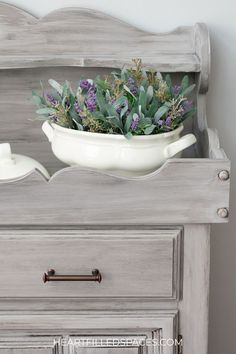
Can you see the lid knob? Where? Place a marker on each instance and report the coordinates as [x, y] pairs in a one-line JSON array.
[[6, 157]]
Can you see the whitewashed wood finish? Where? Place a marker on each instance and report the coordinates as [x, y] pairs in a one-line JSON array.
[[27, 350], [67, 37], [182, 191], [208, 141], [109, 344], [133, 263], [38, 344], [15, 344], [94, 323], [115, 350], [187, 189], [194, 305], [203, 51]]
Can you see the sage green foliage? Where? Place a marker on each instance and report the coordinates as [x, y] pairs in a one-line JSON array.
[[134, 101]]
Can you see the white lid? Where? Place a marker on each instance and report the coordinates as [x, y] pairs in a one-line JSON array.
[[15, 166]]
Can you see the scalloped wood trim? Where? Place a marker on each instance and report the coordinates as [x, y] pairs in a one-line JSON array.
[[182, 191], [91, 38]]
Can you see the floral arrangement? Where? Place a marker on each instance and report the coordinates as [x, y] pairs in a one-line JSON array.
[[134, 101]]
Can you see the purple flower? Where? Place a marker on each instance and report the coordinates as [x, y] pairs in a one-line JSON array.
[[176, 90], [131, 81], [132, 86], [117, 107], [168, 121], [91, 101], [51, 99], [53, 117], [135, 123], [187, 106], [160, 122], [85, 85], [134, 90], [77, 107]]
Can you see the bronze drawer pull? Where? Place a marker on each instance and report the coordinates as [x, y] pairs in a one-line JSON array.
[[51, 276]]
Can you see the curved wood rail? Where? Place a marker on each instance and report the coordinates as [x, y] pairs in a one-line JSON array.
[[188, 189], [113, 44]]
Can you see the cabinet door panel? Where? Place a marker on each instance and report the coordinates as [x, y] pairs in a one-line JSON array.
[[107, 351], [112, 344], [27, 351], [29, 345]]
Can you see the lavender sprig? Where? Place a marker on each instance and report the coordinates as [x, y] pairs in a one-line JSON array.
[[51, 100], [91, 100], [135, 123]]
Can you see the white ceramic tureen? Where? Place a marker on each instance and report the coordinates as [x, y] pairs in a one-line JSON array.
[[137, 156], [15, 166]]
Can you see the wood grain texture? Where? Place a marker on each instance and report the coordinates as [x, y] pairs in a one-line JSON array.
[[187, 190], [109, 323], [203, 50], [194, 305], [109, 344], [66, 44], [38, 344], [67, 37], [138, 263]]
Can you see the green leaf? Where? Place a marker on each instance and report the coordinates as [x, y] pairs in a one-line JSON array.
[[152, 108], [64, 101], [65, 89], [99, 115], [169, 84], [46, 111], [149, 94], [142, 99], [128, 90], [111, 111], [145, 121], [121, 101], [160, 112], [56, 86], [37, 99], [168, 80], [123, 111], [78, 125], [128, 135], [128, 123], [149, 129], [188, 90], [123, 74], [184, 83], [74, 115], [101, 102]]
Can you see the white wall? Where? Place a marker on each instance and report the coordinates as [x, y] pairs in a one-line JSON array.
[[220, 16]]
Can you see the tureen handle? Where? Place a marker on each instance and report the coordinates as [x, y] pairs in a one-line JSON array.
[[179, 145], [48, 130]]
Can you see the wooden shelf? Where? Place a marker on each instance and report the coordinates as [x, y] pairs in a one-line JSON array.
[[164, 62], [91, 38], [64, 45], [181, 191]]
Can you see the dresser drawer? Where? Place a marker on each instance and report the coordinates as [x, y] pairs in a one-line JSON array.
[[133, 263]]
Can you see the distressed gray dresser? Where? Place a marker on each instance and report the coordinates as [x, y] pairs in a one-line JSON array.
[[140, 244]]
